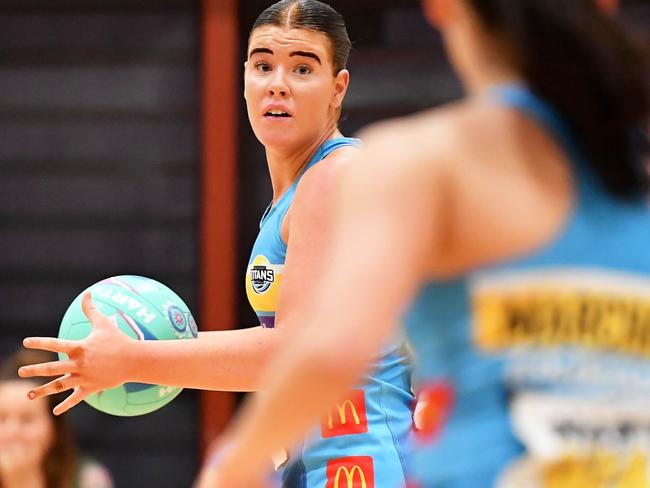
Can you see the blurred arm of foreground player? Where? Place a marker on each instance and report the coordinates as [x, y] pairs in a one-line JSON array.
[[231, 360], [383, 241], [423, 201]]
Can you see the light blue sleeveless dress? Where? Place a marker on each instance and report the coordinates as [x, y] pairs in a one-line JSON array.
[[361, 443], [538, 368]]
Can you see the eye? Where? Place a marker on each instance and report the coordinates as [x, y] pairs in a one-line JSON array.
[[262, 66], [303, 69]]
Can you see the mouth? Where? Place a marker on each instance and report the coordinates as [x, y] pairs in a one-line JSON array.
[[277, 114]]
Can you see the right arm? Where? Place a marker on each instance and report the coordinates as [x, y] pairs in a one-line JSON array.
[[236, 359], [230, 360]]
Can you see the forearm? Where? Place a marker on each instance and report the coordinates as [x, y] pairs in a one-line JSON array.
[[268, 422], [232, 360]]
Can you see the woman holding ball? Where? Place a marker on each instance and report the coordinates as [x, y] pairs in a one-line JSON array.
[[295, 83]]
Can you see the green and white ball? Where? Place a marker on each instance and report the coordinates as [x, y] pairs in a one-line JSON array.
[[143, 309]]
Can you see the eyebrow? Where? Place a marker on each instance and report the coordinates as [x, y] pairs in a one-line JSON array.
[[307, 54], [263, 50], [266, 50]]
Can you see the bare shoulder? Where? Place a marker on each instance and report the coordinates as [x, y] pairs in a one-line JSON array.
[[321, 179], [453, 128], [315, 192], [471, 135], [426, 141], [481, 157]]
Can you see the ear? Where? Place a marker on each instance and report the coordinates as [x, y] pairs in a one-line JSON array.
[[438, 12], [340, 87]]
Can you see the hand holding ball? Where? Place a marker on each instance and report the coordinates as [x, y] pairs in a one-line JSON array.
[[93, 354]]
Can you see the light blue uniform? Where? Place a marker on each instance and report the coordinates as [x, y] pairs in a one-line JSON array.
[[360, 443], [536, 366]]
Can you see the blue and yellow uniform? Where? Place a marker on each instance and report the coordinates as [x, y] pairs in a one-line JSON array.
[[360, 444], [537, 370]]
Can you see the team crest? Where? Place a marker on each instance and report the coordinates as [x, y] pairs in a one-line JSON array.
[[262, 276], [177, 319]]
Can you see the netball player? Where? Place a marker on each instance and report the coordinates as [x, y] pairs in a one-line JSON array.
[[511, 232], [295, 83]]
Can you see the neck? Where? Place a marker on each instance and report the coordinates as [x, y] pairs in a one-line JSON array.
[[487, 74], [25, 479], [486, 60], [286, 165]]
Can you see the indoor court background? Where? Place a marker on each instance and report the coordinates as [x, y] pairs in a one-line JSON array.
[[104, 145]]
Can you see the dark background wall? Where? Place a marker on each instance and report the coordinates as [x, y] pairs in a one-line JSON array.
[[99, 165], [98, 177]]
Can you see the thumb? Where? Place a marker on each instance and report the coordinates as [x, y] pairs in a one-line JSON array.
[[90, 311]]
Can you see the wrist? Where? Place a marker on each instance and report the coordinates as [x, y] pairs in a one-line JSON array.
[[133, 354]]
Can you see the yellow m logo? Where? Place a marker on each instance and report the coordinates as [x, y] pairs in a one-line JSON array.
[[346, 418], [342, 414], [349, 477]]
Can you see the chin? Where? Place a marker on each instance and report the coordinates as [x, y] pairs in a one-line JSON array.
[[279, 140]]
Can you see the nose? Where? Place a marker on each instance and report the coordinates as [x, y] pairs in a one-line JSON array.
[[278, 85]]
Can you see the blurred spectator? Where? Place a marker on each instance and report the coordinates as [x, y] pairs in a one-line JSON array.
[[37, 449]]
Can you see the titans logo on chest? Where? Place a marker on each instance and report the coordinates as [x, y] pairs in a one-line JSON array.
[[261, 278]]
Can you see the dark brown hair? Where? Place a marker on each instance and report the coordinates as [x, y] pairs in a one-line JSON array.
[[60, 463], [593, 72], [312, 15]]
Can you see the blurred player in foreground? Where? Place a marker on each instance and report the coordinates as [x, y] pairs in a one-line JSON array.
[[511, 233]]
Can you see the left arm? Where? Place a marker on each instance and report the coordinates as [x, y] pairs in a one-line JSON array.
[[384, 238]]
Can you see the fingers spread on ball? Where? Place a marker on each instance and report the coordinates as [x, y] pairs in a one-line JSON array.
[[50, 344], [90, 311], [54, 368], [53, 387], [76, 397]]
